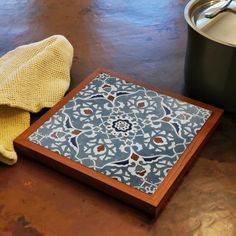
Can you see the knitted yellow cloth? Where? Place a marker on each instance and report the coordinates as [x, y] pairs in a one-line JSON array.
[[31, 77]]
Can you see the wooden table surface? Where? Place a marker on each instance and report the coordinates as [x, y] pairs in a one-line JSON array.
[[142, 39]]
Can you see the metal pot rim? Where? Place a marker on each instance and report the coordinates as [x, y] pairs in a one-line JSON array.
[[188, 13]]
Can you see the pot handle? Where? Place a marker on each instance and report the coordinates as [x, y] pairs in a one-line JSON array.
[[214, 11]]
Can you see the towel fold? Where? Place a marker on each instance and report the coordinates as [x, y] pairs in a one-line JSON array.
[[32, 77]]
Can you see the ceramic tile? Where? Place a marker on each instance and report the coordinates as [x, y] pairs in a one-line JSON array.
[[123, 130]]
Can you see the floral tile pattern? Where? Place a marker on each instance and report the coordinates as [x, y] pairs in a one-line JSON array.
[[123, 130]]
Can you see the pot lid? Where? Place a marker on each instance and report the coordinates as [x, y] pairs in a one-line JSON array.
[[215, 19]]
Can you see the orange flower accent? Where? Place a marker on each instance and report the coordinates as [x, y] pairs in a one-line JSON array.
[[54, 135], [158, 140], [76, 131], [166, 119], [110, 97], [141, 173], [101, 148], [106, 86], [141, 104], [134, 157], [88, 111]]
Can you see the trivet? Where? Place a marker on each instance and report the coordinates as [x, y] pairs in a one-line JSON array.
[[125, 138]]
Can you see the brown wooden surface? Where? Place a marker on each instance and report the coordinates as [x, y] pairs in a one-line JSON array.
[[142, 39], [150, 204]]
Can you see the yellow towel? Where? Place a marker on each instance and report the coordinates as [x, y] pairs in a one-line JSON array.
[[31, 77]]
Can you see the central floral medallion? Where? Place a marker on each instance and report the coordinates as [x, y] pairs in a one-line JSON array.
[[121, 125]]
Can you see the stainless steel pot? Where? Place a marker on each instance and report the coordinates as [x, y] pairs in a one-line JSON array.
[[210, 62]]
